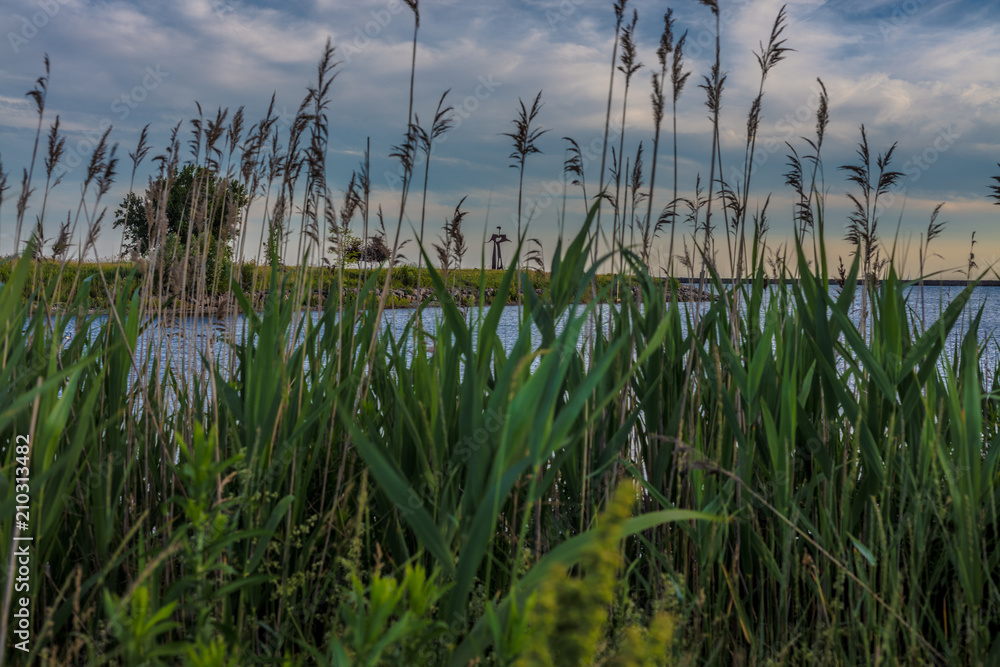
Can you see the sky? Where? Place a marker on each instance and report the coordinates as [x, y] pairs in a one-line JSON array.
[[918, 73]]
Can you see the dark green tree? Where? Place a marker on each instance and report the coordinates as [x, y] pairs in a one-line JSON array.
[[195, 194], [352, 250]]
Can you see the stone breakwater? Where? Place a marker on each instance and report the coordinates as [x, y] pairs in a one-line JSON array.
[[462, 296], [222, 304]]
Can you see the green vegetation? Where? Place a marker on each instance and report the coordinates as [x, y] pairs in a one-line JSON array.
[[787, 475], [807, 491], [403, 279], [77, 279], [194, 194]]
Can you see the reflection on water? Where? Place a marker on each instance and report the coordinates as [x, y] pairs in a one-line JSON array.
[[178, 344]]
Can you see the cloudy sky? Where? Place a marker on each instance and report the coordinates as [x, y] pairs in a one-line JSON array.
[[922, 73]]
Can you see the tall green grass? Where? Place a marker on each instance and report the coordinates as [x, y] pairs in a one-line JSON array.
[[773, 477], [852, 476]]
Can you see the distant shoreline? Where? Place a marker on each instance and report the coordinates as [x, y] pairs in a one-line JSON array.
[[926, 283]]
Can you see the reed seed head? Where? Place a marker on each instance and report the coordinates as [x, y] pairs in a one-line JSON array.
[[666, 39]]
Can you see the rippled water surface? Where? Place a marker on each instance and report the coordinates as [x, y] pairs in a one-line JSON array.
[[179, 343]]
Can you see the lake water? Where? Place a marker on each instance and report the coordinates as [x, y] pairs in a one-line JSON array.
[[925, 306], [180, 342]]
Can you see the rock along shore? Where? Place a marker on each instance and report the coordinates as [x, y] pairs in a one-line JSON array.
[[463, 296], [398, 298]]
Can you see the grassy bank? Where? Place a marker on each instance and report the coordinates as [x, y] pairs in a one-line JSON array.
[[62, 283]]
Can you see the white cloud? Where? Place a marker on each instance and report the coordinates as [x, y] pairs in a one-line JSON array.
[[932, 70]]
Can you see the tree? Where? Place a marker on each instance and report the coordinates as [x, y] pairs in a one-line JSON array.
[[376, 251], [195, 193], [351, 250]]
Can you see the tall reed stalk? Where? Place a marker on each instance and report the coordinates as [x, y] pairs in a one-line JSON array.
[[712, 85], [425, 140], [678, 78], [619, 8], [524, 138], [657, 97], [628, 66], [38, 94]]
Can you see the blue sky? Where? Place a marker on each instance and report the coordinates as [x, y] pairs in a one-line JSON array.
[[918, 72]]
